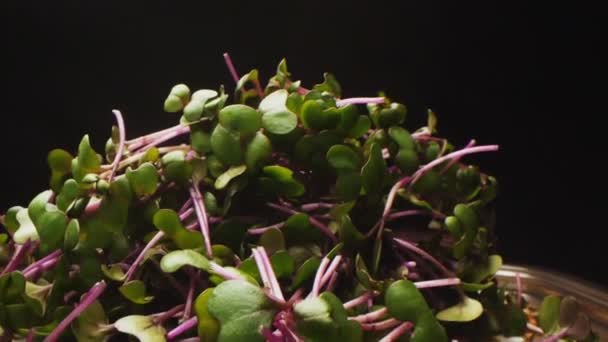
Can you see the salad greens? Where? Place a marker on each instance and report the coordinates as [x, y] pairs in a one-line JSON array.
[[275, 213]]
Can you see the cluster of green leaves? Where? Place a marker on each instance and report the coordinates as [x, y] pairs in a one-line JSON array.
[[316, 171]]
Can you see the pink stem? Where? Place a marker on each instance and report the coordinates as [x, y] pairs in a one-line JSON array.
[[397, 332], [262, 269], [535, 328], [201, 213], [186, 213], [360, 100], [52, 255], [411, 247], [163, 316], [330, 270], [519, 289], [315, 206], [362, 299], [370, 316], [405, 213], [316, 286], [187, 205], [140, 257], [231, 68], [182, 328], [276, 288], [224, 273], [40, 267], [386, 324], [262, 230], [189, 298], [177, 132], [121, 143], [557, 336], [87, 300], [332, 282], [19, 254], [437, 283], [145, 139], [455, 160]]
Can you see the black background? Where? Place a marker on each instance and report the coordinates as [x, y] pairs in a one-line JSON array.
[[520, 75]]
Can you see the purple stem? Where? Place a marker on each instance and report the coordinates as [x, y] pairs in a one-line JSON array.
[[88, 299], [162, 317], [20, 253], [289, 334], [362, 299], [199, 206], [370, 316], [185, 206], [330, 270], [455, 160], [262, 230], [397, 332], [386, 324], [332, 282], [323, 228], [39, 268], [231, 68], [315, 206], [405, 213], [190, 297], [186, 213], [30, 335], [360, 100], [224, 273], [145, 139], [121, 142], [557, 336], [140, 257], [271, 336], [36, 264], [411, 247], [182, 328], [274, 283], [181, 130], [316, 286], [437, 283]]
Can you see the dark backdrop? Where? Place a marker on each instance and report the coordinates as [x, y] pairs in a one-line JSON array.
[[500, 72]]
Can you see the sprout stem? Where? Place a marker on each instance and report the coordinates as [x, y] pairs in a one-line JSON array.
[[411, 247], [535, 328], [176, 133], [519, 288], [360, 100], [141, 255], [162, 317], [437, 283], [330, 270], [455, 160], [360, 300], [557, 336], [36, 269], [145, 139], [88, 299], [316, 286], [314, 206], [370, 316], [201, 213], [262, 230], [186, 213], [397, 332], [121, 142], [231, 68], [182, 328], [276, 288], [132, 159], [224, 273], [190, 297], [386, 324], [20, 253]]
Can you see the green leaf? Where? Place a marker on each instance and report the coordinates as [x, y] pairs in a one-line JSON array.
[[431, 121], [281, 121], [306, 271], [135, 291], [485, 270], [282, 264], [272, 240], [240, 118], [208, 326], [343, 158], [548, 313], [404, 301], [349, 115], [407, 161], [114, 272], [312, 115], [467, 310], [231, 233], [175, 260], [60, 163], [283, 176], [200, 140], [364, 277], [88, 326], [51, 229], [36, 297], [194, 110], [242, 310], [428, 329], [88, 160], [349, 235], [257, 152], [143, 180], [313, 319], [26, 230], [142, 327], [374, 171], [176, 168], [69, 193], [38, 205], [248, 77], [168, 221], [274, 101], [226, 146], [204, 95], [228, 175], [330, 85], [298, 230], [360, 128], [402, 137]]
